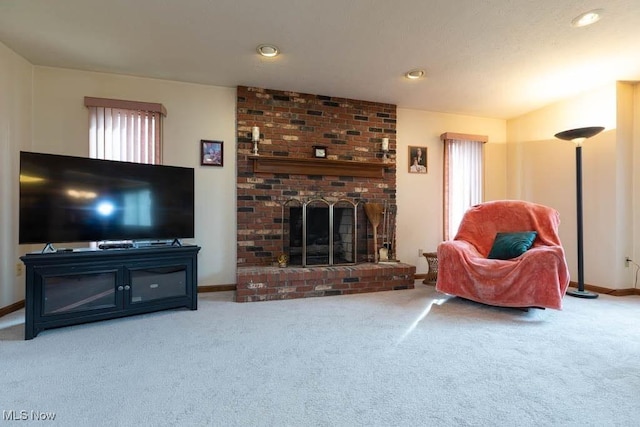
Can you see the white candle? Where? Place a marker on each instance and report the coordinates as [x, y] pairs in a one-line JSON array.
[[385, 144], [255, 133]]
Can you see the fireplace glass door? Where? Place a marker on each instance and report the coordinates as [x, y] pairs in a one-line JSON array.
[[321, 233]]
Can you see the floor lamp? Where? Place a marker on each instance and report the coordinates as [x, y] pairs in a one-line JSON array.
[[578, 136]]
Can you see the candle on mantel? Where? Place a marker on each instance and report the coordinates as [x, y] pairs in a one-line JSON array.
[[255, 133], [385, 144]]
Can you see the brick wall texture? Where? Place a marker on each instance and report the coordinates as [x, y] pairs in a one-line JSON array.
[[273, 283], [290, 125]]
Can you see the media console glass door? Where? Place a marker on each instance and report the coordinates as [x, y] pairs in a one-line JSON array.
[[158, 282], [104, 291], [80, 291]]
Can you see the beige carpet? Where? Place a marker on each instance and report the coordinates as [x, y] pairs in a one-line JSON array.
[[410, 358]]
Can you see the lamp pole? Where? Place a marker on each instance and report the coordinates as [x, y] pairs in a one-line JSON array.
[[581, 293], [578, 136]]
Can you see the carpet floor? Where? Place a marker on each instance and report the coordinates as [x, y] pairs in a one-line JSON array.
[[401, 358]]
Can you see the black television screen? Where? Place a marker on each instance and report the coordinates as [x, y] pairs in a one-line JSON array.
[[76, 199]]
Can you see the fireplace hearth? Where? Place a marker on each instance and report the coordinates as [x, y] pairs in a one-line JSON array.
[[274, 283]]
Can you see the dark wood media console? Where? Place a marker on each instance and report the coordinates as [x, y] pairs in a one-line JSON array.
[[68, 288]]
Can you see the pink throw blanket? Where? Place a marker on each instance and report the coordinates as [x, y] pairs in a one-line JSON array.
[[537, 278]]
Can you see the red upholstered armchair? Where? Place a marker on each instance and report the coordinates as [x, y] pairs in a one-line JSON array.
[[537, 278]]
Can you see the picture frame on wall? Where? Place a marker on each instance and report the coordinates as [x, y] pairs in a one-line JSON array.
[[211, 153], [417, 159]]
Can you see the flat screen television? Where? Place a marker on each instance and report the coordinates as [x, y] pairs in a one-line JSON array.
[[76, 199]]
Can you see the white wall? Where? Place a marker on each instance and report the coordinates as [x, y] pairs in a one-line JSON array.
[[541, 169], [625, 226], [194, 112], [419, 196], [635, 253], [15, 135]]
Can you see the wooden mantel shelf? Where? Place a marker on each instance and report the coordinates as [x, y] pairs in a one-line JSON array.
[[307, 166]]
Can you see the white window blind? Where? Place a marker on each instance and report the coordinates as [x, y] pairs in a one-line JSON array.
[[463, 177], [125, 130]]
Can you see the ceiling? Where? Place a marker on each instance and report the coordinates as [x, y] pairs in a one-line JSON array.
[[490, 58]]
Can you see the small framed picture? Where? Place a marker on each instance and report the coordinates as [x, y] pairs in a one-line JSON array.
[[417, 159], [319, 151], [211, 153]]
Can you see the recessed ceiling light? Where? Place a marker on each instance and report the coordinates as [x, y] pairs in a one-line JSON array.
[[587, 18], [414, 74], [268, 50]]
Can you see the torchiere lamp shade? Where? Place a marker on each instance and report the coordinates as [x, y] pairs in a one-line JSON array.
[[570, 135]]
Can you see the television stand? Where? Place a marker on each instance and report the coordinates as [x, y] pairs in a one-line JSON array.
[[68, 288]]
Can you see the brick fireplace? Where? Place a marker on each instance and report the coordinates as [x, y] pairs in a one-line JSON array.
[[291, 124]]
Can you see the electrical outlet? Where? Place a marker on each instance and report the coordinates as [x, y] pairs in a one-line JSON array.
[[420, 252], [627, 260], [19, 269]]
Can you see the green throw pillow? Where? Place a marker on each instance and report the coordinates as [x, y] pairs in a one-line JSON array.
[[511, 245]]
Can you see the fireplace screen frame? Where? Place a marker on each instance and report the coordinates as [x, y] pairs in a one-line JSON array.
[[332, 207]]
